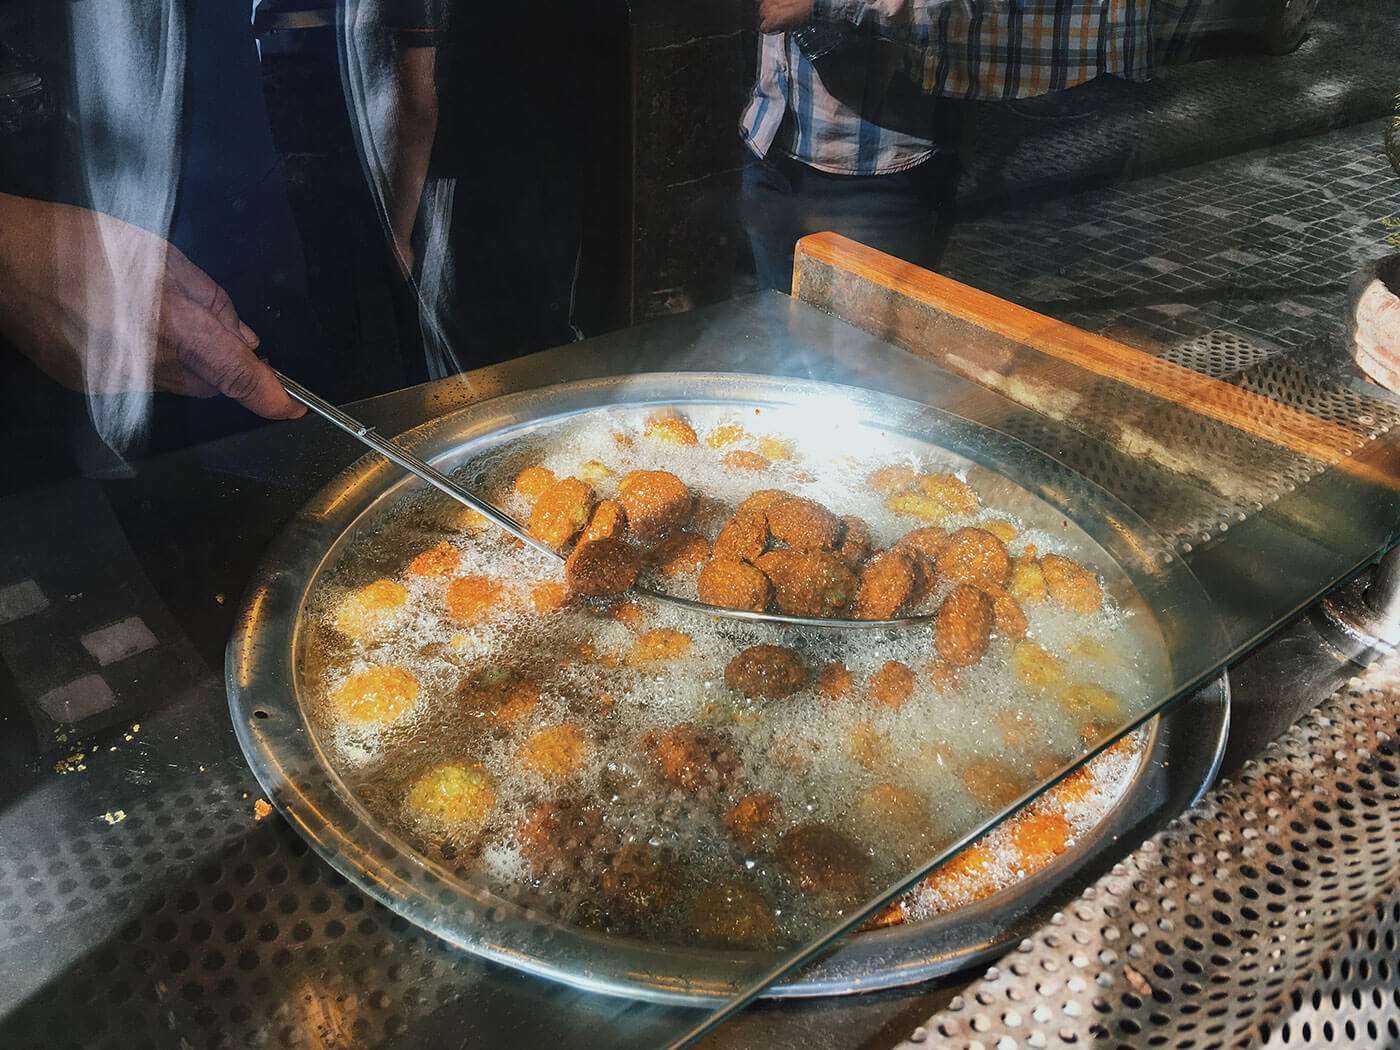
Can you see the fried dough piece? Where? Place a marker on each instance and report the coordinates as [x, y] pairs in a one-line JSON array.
[[810, 583], [886, 583], [975, 556], [963, 626], [768, 672], [803, 524], [655, 501], [1071, 585], [681, 554], [930, 540], [602, 567], [733, 584], [561, 511], [744, 536]]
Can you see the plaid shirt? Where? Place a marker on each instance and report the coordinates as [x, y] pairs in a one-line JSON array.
[[964, 49]]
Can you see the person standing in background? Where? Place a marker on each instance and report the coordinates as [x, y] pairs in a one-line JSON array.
[[854, 120]]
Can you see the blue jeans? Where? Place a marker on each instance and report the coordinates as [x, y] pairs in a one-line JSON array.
[[785, 200]]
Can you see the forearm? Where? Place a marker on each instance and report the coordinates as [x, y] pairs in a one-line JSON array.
[[413, 127]]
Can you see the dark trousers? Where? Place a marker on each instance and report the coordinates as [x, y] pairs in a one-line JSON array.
[[899, 213]]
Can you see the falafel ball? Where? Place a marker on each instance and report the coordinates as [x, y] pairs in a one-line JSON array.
[[743, 459], [671, 430], [556, 751], [681, 554], [561, 512], [886, 583], [437, 562], [809, 583], [824, 862], [767, 672], [531, 483], [663, 643], [558, 833], [641, 880], [692, 757], [803, 524], [733, 584], [501, 694], [744, 536], [607, 520], [963, 626], [375, 695], [473, 598], [453, 795], [655, 501], [600, 567], [855, 541], [372, 610], [764, 499], [975, 556], [892, 685], [731, 914], [751, 818], [950, 490], [1071, 585]]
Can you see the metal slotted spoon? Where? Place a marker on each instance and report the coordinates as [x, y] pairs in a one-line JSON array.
[[396, 453]]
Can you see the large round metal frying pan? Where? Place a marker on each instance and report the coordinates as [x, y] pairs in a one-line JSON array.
[[266, 697]]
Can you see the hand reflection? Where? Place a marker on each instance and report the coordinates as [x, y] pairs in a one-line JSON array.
[[106, 307]]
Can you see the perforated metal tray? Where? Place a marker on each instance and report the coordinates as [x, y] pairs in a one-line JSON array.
[[1182, 754]]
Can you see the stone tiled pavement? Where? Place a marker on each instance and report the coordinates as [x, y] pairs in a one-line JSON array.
[[1265, 244]]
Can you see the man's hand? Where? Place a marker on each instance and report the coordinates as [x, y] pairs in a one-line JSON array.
[[1376, 338], [777, 16], [104, 307]]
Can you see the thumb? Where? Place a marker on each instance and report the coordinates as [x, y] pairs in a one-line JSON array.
[[209, 351]]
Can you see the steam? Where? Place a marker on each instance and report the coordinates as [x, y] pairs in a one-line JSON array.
[[128, 69]]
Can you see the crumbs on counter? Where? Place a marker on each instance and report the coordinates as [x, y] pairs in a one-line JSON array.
[[114, 816], [220, 598], [262, 808]]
